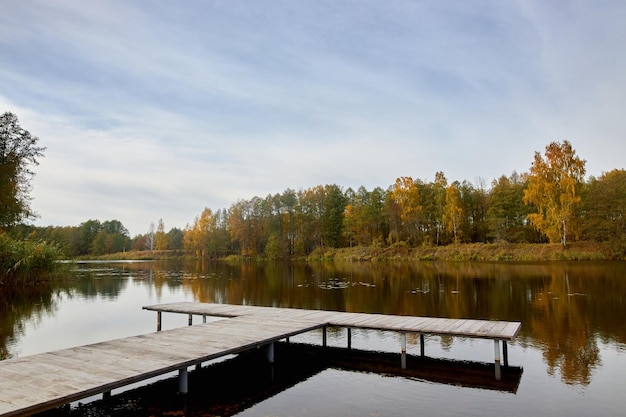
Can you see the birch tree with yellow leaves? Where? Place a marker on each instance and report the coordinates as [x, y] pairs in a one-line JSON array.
[[553, 187], [453, 211], [160, 238], [405, 194]]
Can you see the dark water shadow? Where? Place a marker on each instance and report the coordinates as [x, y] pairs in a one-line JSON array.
[[232, 386], [466, 374]]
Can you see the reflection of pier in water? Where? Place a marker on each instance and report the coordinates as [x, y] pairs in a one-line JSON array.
[[224, 392], [442, 371]]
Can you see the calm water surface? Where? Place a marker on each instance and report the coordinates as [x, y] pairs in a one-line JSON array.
[[572, 345]]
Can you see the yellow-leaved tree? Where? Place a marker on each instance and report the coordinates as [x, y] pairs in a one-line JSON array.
[[405, 194], [553, 187], [453, 211], [160, 238]]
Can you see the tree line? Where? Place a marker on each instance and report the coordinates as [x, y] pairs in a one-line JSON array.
[[94, 237], [551, 203], [414, 212]]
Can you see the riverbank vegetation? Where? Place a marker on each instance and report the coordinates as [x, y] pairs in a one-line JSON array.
[[25, 262], [488, 252]]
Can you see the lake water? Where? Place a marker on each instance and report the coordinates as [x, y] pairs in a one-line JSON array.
[[572, 345]]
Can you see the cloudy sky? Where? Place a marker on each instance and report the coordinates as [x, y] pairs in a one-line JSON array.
[[158, 109]]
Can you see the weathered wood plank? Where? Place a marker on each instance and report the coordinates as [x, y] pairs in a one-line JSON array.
[[456, 327], [48, 380], [512, 328]]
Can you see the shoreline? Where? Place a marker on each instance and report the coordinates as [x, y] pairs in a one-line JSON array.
[[480, 252]]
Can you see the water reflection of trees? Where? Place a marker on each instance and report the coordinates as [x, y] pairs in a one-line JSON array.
[[566, 309], [19, 305], [560, 318]]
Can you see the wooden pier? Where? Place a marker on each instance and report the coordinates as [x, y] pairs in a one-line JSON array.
[[40, 382], [498, 331]]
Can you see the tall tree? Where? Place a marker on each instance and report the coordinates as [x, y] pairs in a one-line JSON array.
[[474, 203], [289, 200], [87, 232], [377, 225], [160, 238], [439, 193], [604, 209], [175, 238], [333, 212], [208, 236], [150, 237], [241, 226], [453, 211], [406, 196], [308, 220], [553, 187], [18, 151], [507, 213]]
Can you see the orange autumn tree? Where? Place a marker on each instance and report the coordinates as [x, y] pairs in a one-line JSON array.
[[553, 187]]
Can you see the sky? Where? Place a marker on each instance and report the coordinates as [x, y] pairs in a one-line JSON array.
[[158, 109]]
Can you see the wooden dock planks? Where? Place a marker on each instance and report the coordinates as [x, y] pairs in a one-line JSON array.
[[484, 329], [39, 382]]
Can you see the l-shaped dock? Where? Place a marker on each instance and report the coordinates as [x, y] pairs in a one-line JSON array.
[[40, 382]]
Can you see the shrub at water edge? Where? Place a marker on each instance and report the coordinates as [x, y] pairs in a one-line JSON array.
[[25, 262]]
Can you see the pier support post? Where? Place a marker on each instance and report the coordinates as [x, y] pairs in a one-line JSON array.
[[422, 344], [324, 336], [349, 338], [106, 395], [158, 321], [403, 349], [496, 344], [270, 352], [203, 319], [190, 319], [182, 381], [505, 353]]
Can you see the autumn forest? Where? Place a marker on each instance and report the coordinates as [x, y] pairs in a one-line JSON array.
[[553, 202]]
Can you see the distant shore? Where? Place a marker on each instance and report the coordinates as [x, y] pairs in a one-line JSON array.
[[493, 252]]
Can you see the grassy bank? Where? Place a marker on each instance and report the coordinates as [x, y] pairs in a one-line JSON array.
[[26, 262], [141, 255], [579, 251]]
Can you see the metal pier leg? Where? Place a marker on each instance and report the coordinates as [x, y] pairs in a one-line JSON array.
[[421, 344], [158, 321], [403, 349], [106, 395], [190, 319], [182, 381], [349, 338], [203, 319], [505, 353], [270, 352], [324, 336], [496, 345]]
